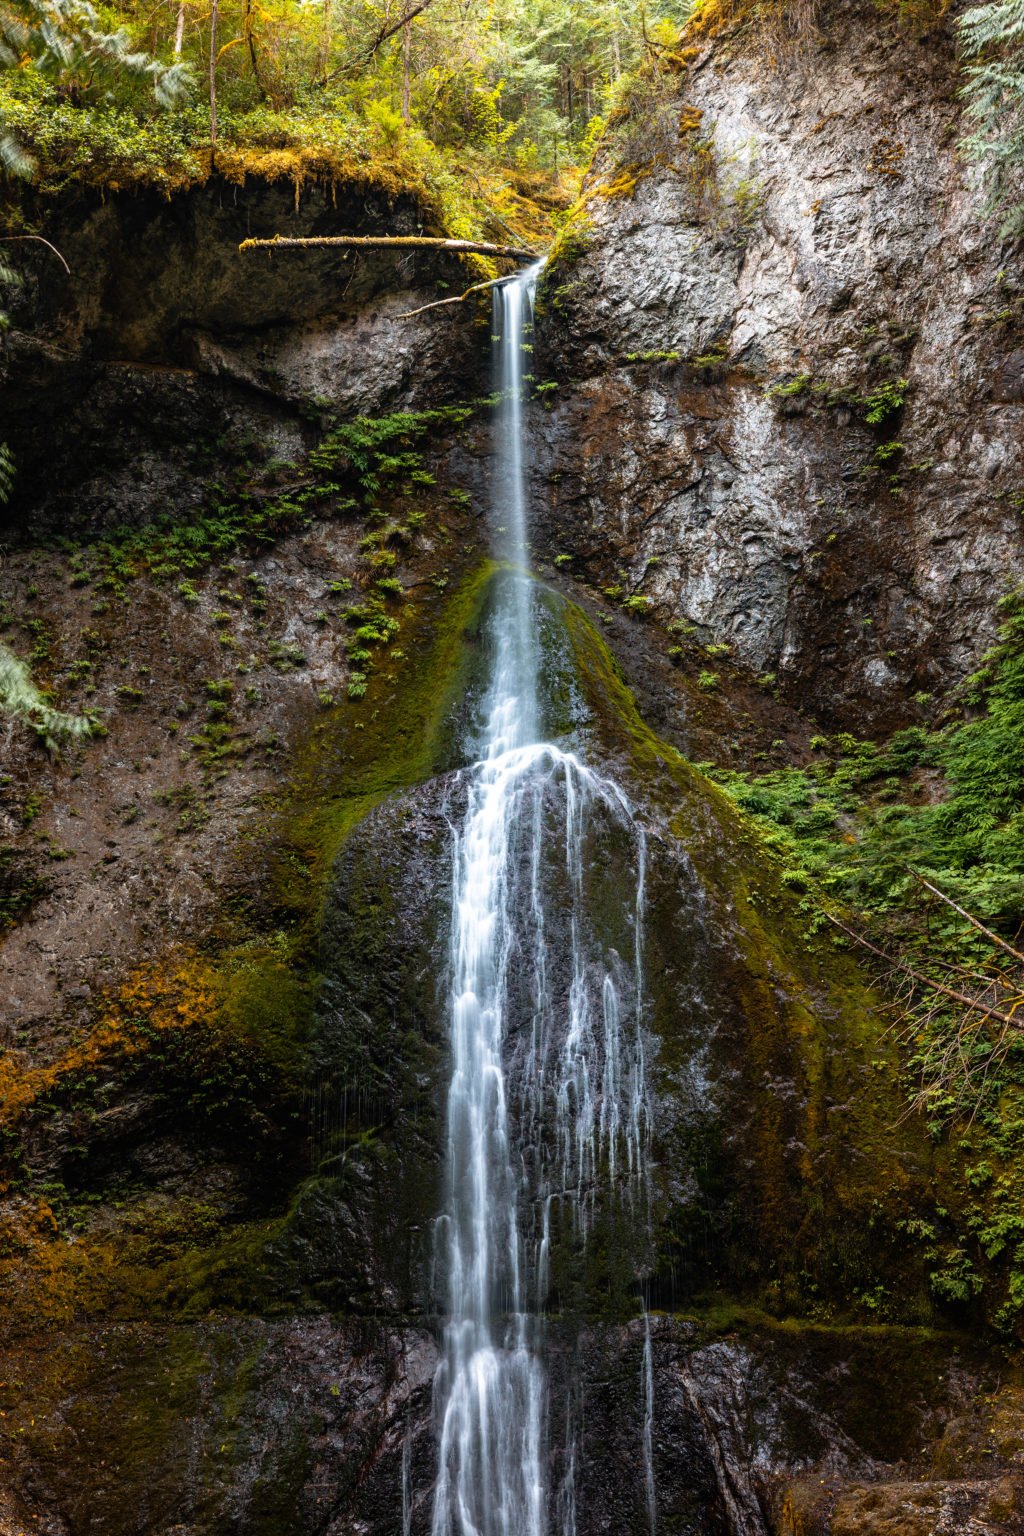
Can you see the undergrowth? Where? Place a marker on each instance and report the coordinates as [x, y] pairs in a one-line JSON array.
[[948, 803], [859, 832]]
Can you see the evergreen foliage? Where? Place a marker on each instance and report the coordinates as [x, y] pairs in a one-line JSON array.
[[525, 85], [992, 37], [68, 40], [19, 696]]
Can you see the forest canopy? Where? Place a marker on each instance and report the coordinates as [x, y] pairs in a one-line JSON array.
[[428, 84], [430, 96]]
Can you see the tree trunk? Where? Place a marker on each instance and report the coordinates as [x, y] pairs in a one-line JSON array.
[[398, 242], [250, 39], [406, 59], [324, 52], [213, 77], [179, 31]]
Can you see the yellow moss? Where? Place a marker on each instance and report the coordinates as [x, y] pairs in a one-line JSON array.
[[625, 183], [711, 18], [155, 997]]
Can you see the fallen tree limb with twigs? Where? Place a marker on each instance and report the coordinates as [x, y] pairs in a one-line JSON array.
[[392, 242], [964, 998], [459, 298], [960, 1034], [974, 922]]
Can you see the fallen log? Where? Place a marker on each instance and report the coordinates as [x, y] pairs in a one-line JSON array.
[[396, 242]]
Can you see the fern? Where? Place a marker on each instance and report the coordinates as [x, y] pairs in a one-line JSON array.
[[20, 697], [992, 37]]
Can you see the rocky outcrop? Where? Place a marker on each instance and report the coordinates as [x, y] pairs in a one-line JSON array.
[[209, 361], [791, 406], [316, 1427]]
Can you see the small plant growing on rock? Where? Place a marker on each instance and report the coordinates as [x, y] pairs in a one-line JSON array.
[[885, 401]]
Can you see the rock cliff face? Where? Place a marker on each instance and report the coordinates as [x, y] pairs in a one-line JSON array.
[[790, 366], [167, 358]]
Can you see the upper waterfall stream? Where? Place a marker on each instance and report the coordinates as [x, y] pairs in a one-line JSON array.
[[547, 1104]]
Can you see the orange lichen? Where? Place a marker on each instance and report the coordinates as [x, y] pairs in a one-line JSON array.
[[155, 998]]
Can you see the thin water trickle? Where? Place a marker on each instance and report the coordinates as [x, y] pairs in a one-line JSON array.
[[650, 1489], [528, 1147]]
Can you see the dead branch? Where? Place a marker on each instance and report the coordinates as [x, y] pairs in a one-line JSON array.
[[6, 239], [971, 1003], [974, 922], [398, 242], [458, 299], [389, 31]]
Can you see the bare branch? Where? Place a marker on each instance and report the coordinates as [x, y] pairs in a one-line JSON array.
[[994, 937], [458, 299], [970, 1003], [398, 242], [49, 247], [397, 26], [388, 30]]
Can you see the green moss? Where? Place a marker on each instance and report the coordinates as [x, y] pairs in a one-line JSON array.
[[795, 1199], [21, 886], [400, 737]]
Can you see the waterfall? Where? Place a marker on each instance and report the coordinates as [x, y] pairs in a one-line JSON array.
[[650, 1488], [547, 1102]]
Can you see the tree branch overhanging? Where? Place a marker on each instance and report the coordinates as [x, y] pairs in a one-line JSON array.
[[396, 242], [458, 298], [6, 239]]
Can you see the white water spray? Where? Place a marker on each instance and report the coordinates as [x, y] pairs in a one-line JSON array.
[[547, 1106]]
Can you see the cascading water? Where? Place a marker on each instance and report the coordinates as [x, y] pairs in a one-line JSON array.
[[648, 1385], [547, 1107]]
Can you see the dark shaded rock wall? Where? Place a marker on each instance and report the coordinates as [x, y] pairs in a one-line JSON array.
[[168, 359]]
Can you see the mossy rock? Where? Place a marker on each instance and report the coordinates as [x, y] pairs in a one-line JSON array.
[[786, 1162]]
